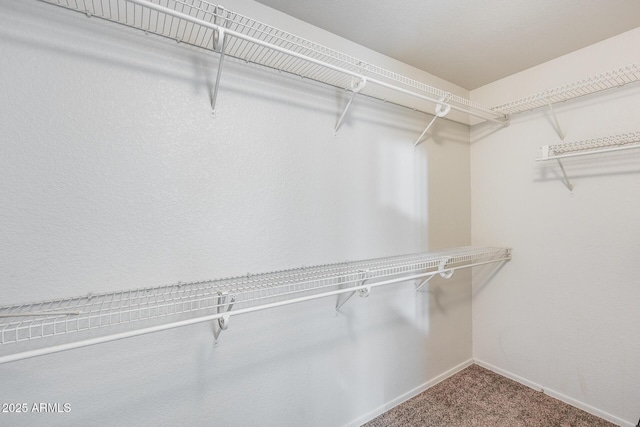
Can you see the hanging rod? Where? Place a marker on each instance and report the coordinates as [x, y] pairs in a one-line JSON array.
[[594, 84], [199, 23], [625, 141], [118, 315]]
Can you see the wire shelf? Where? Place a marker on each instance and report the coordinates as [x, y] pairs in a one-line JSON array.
[[591, 146], [165, 305], [196, 22], [604, 81]]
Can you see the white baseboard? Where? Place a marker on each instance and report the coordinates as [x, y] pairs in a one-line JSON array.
[[556, 395], [517, 378], [408, 395]]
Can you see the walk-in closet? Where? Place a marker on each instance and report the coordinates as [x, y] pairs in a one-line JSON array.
[[323, 213]]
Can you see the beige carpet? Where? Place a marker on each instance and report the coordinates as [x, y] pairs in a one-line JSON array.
[[479, 397]]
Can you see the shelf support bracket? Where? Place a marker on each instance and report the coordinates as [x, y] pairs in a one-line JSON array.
[[566, 178], [555, 120], [219, 45], [545, 155], [442, 109], [444, 273], [425, 281], [222, 322], [355, 89], [364, 292]]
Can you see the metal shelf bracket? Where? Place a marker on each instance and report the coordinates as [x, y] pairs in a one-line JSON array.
[[444, 273], [442, 109], [363, 292], [355, 89], [566, 178], [222, 322], [219, 44], [555, 120], [425, 281], [545, 155]]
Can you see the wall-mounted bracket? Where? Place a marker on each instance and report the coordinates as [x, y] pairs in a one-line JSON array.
[[442, 271], [442, 109], [220, 48], [222, 323], [363, 292], [555, 120], [219, 44], [425, 281], [566, 178], [545, 156], [355, 89]]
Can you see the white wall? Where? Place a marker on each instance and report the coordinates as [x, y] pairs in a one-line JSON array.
[[115, 175], [563, 314]]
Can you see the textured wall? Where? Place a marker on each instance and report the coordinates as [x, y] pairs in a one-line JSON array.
[[562, 315], [115, 175]]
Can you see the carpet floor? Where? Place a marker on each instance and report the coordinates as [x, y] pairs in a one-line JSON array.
[[477, 396]]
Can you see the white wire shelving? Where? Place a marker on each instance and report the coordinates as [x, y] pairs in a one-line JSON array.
[[607, 144], [214, 28], [624, 141], [594, 84], [34, 329]]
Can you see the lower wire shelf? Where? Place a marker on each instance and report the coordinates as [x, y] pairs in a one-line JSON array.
[[34, 329]]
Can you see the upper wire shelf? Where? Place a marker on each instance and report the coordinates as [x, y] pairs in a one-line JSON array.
[[28, 330], [199, 23], [606, 144], [603, 81]]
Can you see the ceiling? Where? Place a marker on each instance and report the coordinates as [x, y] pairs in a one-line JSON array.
[[470, 43]]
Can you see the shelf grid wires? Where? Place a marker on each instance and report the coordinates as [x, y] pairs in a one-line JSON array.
[[596, 144], [151, 21], [603, 81], [201, 298]]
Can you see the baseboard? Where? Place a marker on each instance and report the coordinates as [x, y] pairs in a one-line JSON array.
[[408, 395], [517, 378], [556, 395]]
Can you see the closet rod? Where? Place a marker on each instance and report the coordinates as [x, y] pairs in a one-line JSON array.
[[159, 328]]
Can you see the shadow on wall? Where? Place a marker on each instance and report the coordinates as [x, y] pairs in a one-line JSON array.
[[483, 276]]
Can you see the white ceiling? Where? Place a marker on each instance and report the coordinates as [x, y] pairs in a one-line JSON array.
[[470, 43]]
